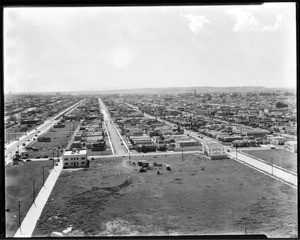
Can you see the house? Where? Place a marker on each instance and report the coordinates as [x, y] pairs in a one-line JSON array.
[[17, 159], [215, 151], [75, 158], [278, 140], [291, 146], [140, 140], [187, 143]]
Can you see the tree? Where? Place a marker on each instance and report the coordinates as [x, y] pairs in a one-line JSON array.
[[281, 105]]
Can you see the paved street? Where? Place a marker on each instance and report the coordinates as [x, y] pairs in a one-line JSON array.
[[113, 133], [14, 146]]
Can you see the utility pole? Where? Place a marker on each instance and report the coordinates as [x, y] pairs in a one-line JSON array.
[[19, 215], [43, 176], [33, 189], [182, 153], [272, 164]]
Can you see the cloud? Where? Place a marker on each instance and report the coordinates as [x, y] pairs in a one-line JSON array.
[[244, 20], [196, 22], [276, 26]]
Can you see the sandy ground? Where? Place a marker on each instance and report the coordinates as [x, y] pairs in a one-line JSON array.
[[198, 196]]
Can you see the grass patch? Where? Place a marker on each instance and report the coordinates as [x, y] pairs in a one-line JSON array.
[[281, 158], [19, 187], [198, 196]]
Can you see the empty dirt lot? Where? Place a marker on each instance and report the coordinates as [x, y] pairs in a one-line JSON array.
[[198, 196]]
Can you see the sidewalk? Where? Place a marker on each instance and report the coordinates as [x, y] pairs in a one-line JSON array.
[[34, 213], [274, 171]]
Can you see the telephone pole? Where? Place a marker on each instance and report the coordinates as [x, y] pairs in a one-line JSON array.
[[19, 214], [272, 164], [33, 190], [43, 176]]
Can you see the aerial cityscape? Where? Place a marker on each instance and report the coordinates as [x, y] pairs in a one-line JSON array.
[[137, 121]]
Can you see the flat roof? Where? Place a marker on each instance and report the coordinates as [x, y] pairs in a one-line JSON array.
[[78, 152], [214, 145]]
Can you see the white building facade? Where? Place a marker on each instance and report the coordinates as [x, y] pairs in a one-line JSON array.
[[75, 158], [291, 146], [215, 151]]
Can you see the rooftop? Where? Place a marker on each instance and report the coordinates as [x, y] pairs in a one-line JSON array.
[[75, 152]]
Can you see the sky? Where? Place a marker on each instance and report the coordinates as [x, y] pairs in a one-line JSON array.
[[102, 48]]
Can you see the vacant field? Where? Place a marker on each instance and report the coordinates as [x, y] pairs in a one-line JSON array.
[[19, 187], [281, 158], [60, 137], [198, 196]]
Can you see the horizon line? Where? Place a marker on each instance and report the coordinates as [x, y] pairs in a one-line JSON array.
[[145, 88]]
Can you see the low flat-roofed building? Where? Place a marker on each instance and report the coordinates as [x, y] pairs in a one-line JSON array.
[[278, 140], [215, 151], [75, 158], [187, 143]]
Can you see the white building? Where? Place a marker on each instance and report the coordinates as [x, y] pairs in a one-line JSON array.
[[75, 158], [215, 151], [291, 146]]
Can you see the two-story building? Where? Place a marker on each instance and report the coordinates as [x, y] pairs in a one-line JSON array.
[[75, 158], [291, 146], [215, 151]]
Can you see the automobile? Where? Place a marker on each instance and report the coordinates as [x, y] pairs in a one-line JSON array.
[[56, 164], [28, 160], [23, 144], [50, 159], [273, 147], [228, 150]]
